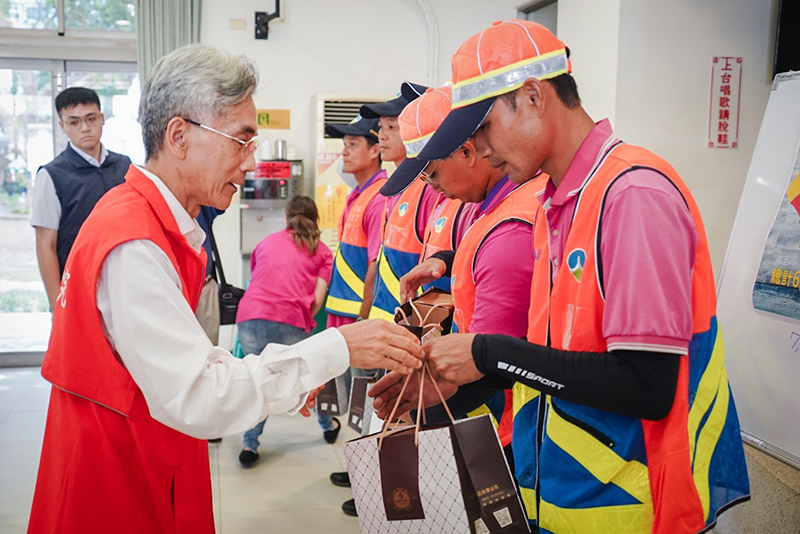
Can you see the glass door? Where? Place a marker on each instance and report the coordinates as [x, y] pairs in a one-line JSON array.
[[26, 142], [30, 137]]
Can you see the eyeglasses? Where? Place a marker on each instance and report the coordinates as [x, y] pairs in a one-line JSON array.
[[427, 173], [248, 147], [91, 120]]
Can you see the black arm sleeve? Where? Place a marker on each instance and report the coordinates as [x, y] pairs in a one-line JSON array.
[[639, 384], [447, 257], [465, 400]]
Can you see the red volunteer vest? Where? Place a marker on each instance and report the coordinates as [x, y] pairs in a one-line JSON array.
[[107, 465], [520, 205]]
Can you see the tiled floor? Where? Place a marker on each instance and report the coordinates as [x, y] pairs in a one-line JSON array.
[[287, 490]]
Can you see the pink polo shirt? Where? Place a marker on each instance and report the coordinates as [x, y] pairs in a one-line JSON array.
[[283, 280], [647, 246], [503, 272], [470, 211]]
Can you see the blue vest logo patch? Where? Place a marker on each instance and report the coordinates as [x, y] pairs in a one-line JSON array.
[[402, 209], [575, 261], [440, 224]]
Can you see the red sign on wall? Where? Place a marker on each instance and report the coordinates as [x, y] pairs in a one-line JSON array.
[[723, 118]]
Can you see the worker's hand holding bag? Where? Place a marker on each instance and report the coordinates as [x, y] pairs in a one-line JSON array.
[[450, 478]]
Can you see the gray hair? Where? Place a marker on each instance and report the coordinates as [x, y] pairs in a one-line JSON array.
[[196, 82]]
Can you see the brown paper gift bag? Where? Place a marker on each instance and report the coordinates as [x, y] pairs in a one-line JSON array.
[[331, 400], [446, 479], [427, 316]]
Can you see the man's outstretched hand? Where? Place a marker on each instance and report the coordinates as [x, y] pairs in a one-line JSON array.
[[386, 390], [379, 344]]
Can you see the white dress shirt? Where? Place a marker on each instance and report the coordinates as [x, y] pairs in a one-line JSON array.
[[189, 384], [46, 207]]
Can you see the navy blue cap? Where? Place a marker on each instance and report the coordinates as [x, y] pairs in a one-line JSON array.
[[411, 91], [393, 107], [403, 176], [359, 126], [459, 125]]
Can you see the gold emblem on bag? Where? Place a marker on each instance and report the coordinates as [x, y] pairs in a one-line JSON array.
[[401, 499]]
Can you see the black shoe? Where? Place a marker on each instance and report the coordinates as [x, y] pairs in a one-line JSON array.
[[247, 457], [331, 435], [349, 508], [341, 479], [215, 440]]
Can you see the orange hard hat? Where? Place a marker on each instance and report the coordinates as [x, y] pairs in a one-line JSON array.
[[493, 62]]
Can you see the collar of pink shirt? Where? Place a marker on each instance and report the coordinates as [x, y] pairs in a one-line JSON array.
[[588, 157]]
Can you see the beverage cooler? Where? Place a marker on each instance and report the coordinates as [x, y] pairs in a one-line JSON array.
[[264, 197]]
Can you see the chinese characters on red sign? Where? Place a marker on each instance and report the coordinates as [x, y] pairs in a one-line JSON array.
[[723, 118]]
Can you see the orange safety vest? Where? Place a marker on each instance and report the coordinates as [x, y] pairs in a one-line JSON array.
[[440, 234], [106, 464], [351, 260], [520, 205], [602, 472], [400, 250]]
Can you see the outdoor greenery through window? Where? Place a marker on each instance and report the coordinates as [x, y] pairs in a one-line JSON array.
[[95, 15], [30, 135]]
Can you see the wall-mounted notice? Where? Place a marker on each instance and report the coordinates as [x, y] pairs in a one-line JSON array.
[[274, 119], [723, 114]]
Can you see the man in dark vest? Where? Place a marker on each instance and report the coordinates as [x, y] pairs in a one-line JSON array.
[[67, 188]]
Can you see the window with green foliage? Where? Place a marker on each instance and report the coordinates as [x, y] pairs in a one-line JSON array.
[[93, 15], [89, 43], [101, 15]]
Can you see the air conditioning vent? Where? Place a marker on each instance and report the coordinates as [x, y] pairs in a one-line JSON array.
[[340, 111]]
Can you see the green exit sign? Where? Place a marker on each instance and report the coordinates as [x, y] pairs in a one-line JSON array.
[[276, 119]]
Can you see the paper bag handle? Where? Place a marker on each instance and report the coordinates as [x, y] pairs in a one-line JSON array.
[[422, 320], [420, 410]]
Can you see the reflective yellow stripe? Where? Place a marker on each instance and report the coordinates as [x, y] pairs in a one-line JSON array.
[[522, 396], [415, 146], [628, 518], [509, 78], [602, 462], [713, 385], [529, 499], [707, 443], [389, 279], [344, 306], [706, 391], [507, 68], [377, 313], [483, 410], [349, 276]]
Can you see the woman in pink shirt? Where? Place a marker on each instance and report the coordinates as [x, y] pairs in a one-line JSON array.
[[290, 272]]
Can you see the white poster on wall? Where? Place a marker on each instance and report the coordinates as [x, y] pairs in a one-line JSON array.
[[723, 116], [777, 285]]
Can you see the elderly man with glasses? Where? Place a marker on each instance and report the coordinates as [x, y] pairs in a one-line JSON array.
[[67, 188], [138, 385]]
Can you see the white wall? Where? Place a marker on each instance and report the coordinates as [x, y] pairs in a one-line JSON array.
[[590, 28], [663, 93], [646, 66]]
